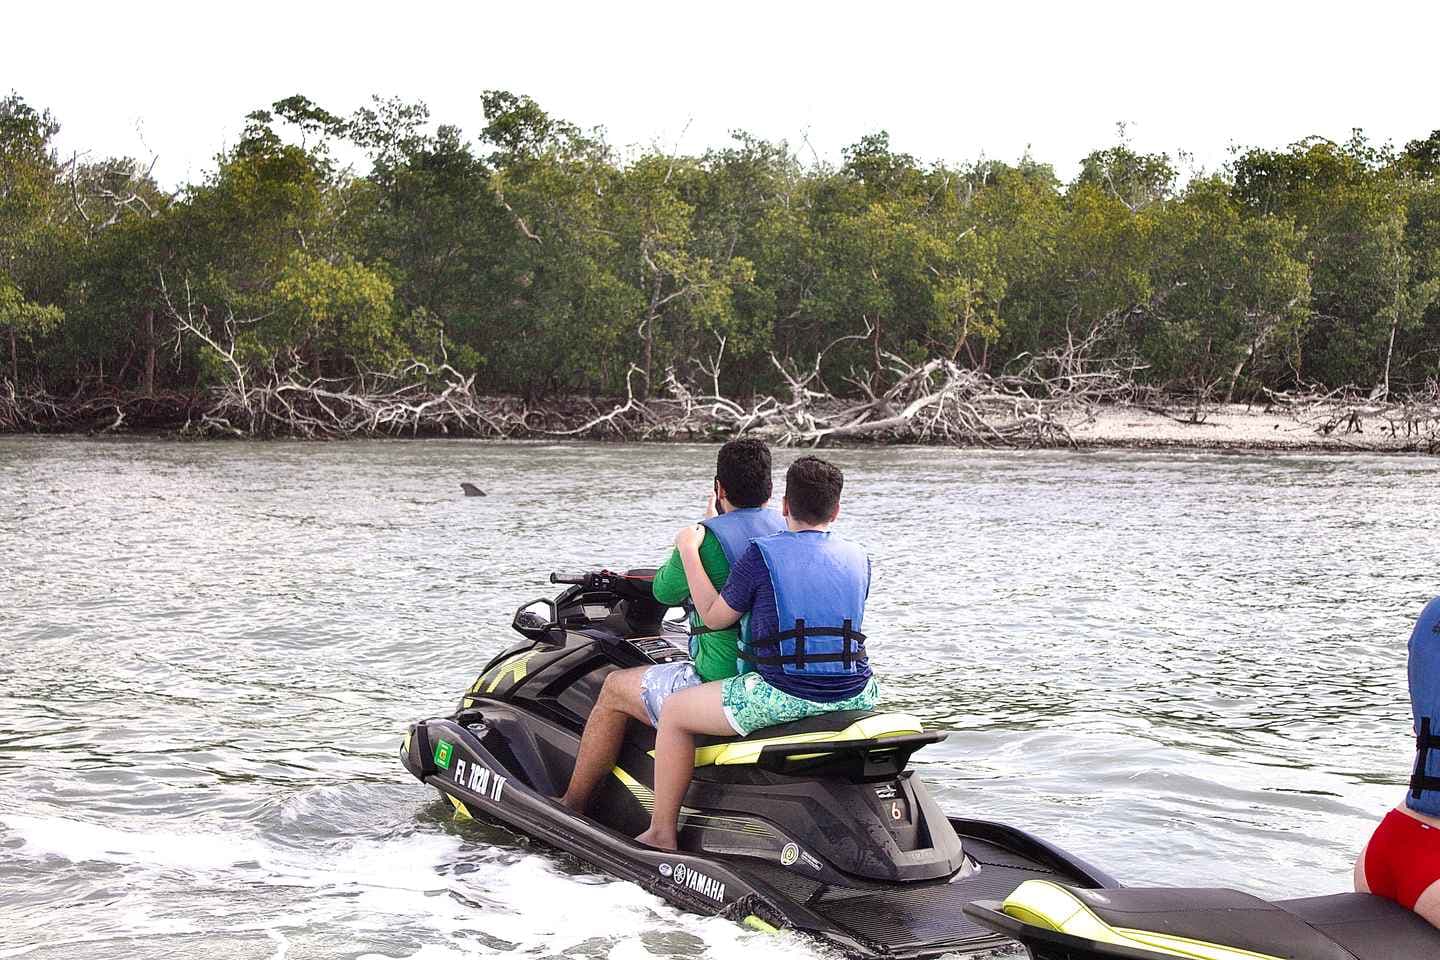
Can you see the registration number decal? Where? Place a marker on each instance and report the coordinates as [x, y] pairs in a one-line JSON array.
[[480, 779]]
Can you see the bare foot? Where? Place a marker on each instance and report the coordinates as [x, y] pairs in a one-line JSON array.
[[573, 805], [654, 838]]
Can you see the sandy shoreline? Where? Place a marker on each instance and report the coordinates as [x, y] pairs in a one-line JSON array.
[[1241, 427]]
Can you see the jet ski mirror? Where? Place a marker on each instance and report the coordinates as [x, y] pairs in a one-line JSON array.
[[539, 620]]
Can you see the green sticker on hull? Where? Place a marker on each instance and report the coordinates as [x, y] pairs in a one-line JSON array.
[[443, 750]]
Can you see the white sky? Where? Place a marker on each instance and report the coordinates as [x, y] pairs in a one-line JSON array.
[[950, 81]]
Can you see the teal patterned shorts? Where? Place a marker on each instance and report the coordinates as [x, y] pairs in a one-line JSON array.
[[752, 704]]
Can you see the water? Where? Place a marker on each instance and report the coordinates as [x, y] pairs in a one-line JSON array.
[[1188, 668]]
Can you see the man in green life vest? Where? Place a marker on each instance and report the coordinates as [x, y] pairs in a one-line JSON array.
[[736, 515]]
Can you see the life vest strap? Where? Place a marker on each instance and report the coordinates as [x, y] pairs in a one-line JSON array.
[[852, 647], [688, 605], [780, 661], [1425, 741]]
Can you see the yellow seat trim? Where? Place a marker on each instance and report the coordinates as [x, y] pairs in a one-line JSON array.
[[1050, 906], [748, 751]]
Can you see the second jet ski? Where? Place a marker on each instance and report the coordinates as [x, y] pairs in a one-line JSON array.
[[1059, 922], [818, 826]]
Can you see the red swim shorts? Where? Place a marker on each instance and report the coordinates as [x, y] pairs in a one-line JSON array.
[[1403, 858]]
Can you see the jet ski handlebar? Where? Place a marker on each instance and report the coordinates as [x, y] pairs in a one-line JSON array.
[[578, 579], [631, 583], [627, 598]]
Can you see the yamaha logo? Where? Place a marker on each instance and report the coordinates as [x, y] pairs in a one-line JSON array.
[[692, 879]]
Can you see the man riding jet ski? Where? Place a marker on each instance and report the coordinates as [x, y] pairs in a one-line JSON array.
[[816, 825], [738, 512]]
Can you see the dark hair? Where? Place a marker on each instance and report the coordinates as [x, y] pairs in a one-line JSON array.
[[812, 488], [743, 469]]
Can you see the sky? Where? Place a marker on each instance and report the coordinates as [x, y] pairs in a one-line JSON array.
[[950, 82]]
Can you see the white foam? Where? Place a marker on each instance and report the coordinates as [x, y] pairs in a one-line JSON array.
[[457, 897], [83, 840], [630, 948], [430, 951]]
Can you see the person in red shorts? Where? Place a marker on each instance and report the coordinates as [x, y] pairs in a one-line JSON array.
[[1402, 859]]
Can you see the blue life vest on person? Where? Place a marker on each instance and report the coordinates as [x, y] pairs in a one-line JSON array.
[[821, 582], [734, 529], [1424, 795]]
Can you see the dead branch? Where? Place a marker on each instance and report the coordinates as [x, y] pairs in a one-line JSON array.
[[1039, 400]]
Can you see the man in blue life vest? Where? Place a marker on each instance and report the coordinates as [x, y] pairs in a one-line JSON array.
[[803, 591], [736, 514]]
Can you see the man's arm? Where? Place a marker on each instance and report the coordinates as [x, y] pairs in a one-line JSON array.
[[670, 586], [714, 612]]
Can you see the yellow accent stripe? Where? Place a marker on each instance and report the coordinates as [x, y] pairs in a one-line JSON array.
[[642, 793], [1050, 906], [514, 666], [461, 811], [748, 751], [646, 797], [755, 923]]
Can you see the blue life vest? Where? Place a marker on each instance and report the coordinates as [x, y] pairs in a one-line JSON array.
[[734, 529], [821, 582], [1424, 793]]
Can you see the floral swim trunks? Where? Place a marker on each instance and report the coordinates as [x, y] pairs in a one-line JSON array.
[[752, 704]]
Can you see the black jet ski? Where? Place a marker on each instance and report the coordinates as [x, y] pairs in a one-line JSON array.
[[816, 826], [1059, 922]]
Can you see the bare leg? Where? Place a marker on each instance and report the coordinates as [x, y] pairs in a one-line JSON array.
[[1428, 906], [1362, 885], [697, 710], [619, 700]]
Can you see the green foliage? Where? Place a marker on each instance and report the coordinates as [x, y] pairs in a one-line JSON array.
[[30, 188], [333, 319], [1361, 210], [35, 236], [22, 321], [1233, 290], [538, 260], [1136, 180], [968, 296]]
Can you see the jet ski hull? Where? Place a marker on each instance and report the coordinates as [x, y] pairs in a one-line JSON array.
[[816, 826], [865, 919]]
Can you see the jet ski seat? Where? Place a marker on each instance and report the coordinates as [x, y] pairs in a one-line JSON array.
[[812, 739], [1218, 924]]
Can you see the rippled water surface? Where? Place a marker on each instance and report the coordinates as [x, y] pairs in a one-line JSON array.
[[1188, 668]]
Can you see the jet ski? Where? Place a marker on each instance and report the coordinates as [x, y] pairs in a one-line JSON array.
[[1059, 922], [817, 826]]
